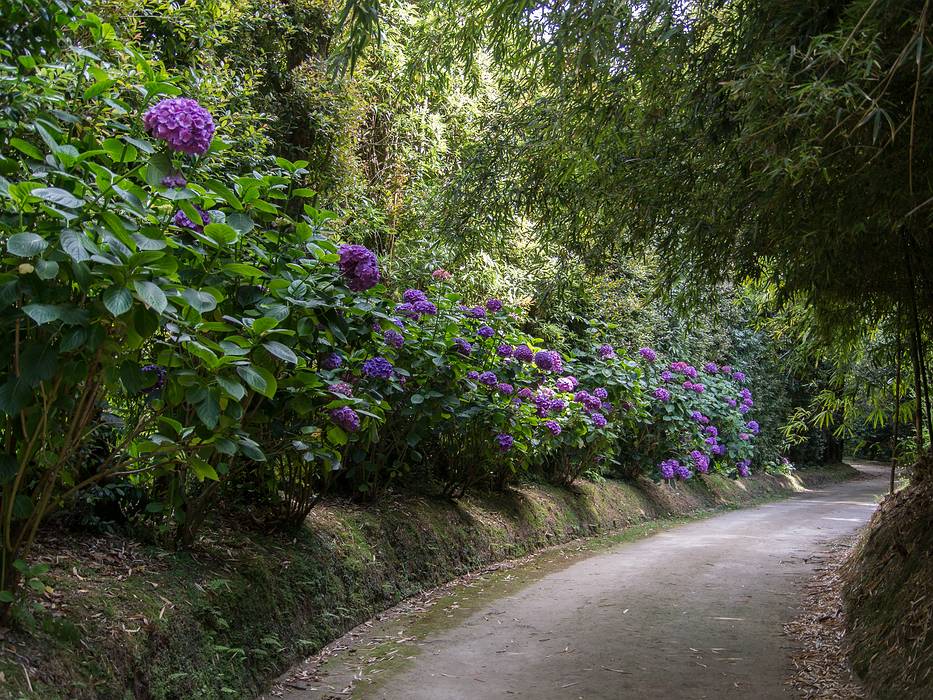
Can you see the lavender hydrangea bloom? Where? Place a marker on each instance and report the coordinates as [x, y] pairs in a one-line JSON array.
[[683, 472], [667, 468], [424, 308], [606, 351], [476, 312], [726, 369], [331, 361], [494, 305], [346, 418], [504, 350], [564, 384], [743, 468], [697, 416], [378, 368], [592, 403], [359, 266], [182, 221], [739, 377], [525, 393], [159, 372], [523, 353], [407, 310], [600, 393], [666, 376], [557, 361], [557, 405], [718, 450], [505, 442], [732, 402], [699, 388], [700, 461], [473, 374], [688, 385], [488, 378], [711, 368], [553, 426], [599, 420], [753, 426], [341, 388], [711, 440], [649, 354], [745, 436], [413, 295], [394, 338], [505, 388], [744, 408], [462, 346], [485, 332], [745, 394], [662, 394], [175, 179], [544, 360], [182, 123], [711, 430]]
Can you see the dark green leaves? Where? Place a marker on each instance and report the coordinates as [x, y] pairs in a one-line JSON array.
[[151, 295], [118, 300], [58, 196], [259, 379], [26, 245]]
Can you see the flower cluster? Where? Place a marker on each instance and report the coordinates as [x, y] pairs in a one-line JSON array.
[[378, 368], [359, 267], [346, 418], [182, 123]]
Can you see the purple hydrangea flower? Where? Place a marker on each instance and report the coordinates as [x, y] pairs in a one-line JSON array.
[[359, 266], [700, 461], [606, 351], [331, 361], [505, 442], [699, 388], [744, 408], [711, 440], [182, 221], [667, 468], [600, 393], [424, 308], [175, 179], [473, 374], [407, 310], [505, 388], [649, 354], [544, 360], [745, 394], [739, 377], [683, 472], [697, 416], [504, 350], [599, 420], [488, 378], [743, 468], [476, 312], [182, 123], [564, 384], [378, 368], [394, 338], [662, 394], [732, 402], [494, 305], [346, 418], [341, 388], [485, 332], [753, 426], [726, 369], [553, 426], [159, 372], [745, 436], [413, 295], [711, 430], [711, 368], [523, 353], [666, 376], [557, 405], [688, 385], [719, 450], [525, 393], [462, 346], [592, 403]]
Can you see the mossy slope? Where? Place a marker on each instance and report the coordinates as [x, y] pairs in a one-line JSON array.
[[127, 621]]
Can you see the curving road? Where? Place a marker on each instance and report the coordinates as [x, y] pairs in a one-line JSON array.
[[695, 611]]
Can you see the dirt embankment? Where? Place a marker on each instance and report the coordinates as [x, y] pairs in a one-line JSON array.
[[122, 619], [888, 594]]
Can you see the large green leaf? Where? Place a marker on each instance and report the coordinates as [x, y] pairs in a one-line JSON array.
[[282, 352], [150, 295], [202, 302], [56, 195], [71, 244], [259, 379], [118, 300], [26, 245]]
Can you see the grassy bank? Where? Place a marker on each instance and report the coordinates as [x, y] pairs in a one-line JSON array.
[[122, 620], [888, 594]]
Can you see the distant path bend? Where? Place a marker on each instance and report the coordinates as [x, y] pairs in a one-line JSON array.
[[695, 611]]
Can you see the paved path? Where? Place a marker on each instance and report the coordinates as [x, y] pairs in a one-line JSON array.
[[695, 611]]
